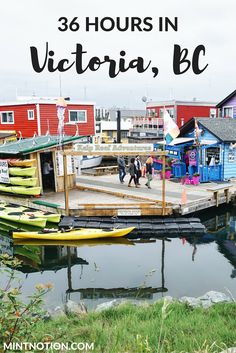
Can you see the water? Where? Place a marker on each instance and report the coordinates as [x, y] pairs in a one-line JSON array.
[[101, 271]]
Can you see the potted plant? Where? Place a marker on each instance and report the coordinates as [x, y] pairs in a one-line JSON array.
[[195, 178], [168, 172]]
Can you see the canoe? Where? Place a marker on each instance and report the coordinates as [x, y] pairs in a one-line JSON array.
[[21, 218], [21, 162], [22, 190], [23, 181], [28, 171], [49, 216], [75, 234]]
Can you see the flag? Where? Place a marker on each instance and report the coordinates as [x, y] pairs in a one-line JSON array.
[[197, 131], [171, 130]]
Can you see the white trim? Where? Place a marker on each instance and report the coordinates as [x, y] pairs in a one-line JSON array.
[[38, 119], [38, 101], [175, 102], [28, 114], [8, 122], [77, 122], [228, 107]]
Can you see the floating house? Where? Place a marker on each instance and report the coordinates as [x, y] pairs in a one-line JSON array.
[[29, 158], [35, 115], [214, 141], [227, 107], [151, 127]]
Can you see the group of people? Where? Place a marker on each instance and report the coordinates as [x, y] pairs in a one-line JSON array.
[[135, 170]]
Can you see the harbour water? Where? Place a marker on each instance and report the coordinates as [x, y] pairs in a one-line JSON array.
[[96, 272]]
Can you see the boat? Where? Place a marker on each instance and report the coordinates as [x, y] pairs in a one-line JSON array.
[[49, 216], [20, 217], [74, 234], [23, 181], [18, 171], [21, 162], [90, 162], [22, 190], [74, 243]]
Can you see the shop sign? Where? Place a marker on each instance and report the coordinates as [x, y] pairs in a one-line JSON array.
[[4, 172], [115, 147], [59, 164]]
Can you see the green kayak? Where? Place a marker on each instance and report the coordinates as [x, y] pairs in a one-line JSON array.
[[49, 216], [20, 217], [23, 181], [18, 171], [22, 190]]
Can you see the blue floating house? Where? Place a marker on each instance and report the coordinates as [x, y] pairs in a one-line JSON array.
[[214, 144]]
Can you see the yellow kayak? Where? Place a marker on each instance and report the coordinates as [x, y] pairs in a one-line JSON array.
[[75, 234], [21, 162]]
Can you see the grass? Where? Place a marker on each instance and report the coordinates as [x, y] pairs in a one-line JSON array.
[[130, 329]]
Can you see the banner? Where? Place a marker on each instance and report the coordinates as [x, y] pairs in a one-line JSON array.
[[4, 172]]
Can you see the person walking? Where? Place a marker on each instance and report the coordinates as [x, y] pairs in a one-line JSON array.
[[149, 164], [121, 168], [132, 172], [138, 166]]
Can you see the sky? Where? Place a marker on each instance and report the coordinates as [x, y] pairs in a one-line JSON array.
[[27, 23]]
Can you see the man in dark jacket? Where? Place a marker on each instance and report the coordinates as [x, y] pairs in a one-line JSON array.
[[121, 168], [138, 166]]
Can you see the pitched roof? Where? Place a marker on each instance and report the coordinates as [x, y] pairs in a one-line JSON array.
[[226, 99], [34, 144], [222, 128]]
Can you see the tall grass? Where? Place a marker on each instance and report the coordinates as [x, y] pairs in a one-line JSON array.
[[158, 328]]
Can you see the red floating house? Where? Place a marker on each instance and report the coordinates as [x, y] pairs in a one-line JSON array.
[[40, 116]]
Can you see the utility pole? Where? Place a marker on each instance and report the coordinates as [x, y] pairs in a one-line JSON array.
[[118, 126]]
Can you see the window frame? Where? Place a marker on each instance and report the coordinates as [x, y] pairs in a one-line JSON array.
[[228, 107], [28, 114], [77, 122], [8, 122]]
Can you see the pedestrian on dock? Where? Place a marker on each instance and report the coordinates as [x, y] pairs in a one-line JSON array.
[[132, 172], [149, 164], [138, 166], [121, 168]]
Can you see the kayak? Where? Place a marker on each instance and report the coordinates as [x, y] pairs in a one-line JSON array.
[[75, 234], [23, 181], [49, 216], [21, 218], [21, 162], [22, 190], [74, 243], [28, 171]]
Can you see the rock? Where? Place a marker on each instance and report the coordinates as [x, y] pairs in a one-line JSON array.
[[215, 297], [108, 305], [75, 308], [230, 350], [194, 302], [58, 312]]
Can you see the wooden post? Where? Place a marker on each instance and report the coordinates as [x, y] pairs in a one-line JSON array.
[[66, 194], [163, 185]]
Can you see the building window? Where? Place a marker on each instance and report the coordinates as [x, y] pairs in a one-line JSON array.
[[77, 116], [30, 114], [212, 113], [228, 112], [7, 118]]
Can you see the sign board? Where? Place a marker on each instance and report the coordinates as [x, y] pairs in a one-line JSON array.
[[123, 212], [4, 172], [59, 164], [115, 147]]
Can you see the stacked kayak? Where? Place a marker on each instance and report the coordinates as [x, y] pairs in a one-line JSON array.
[[74, 234], [26, 215], [21, 162], [22, 180]]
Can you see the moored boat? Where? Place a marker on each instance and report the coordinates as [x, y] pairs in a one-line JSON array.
[[49, 216], [20, 217], [75, 234]]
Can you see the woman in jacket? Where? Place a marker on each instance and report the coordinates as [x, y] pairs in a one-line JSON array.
[[132, 172], [149, 164]]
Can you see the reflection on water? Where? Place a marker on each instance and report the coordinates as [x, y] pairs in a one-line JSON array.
[[98, 271]]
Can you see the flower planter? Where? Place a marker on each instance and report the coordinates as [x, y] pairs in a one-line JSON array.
[[167, 174]]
